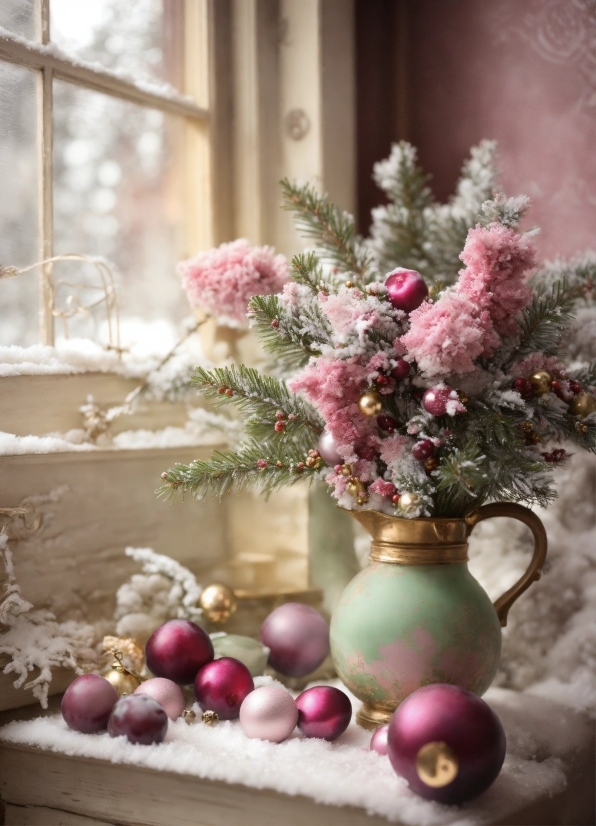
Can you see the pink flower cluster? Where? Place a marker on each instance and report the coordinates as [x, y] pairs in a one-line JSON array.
[[468, 321], [221, 281]]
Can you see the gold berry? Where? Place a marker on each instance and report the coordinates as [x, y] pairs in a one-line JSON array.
[[431, 463], [370, 403], [541, 382]]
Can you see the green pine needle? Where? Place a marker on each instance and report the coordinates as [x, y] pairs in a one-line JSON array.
[[545, 320]]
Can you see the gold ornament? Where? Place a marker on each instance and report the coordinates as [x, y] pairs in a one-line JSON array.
[[436, 765], [133, 655], [370, 403], [189, 716], [124, 680], [218, 602], [408, 502], [210, 717], [431, 463], [581, 427], [353, 485], [346, 470], [541, 382], [349, 284], [584, 404]]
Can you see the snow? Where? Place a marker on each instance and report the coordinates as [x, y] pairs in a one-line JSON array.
[[344, 772]]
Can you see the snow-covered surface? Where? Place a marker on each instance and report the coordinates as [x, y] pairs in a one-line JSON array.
[[344, 772]]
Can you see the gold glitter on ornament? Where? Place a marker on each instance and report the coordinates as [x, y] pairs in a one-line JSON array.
[[408, 502], [436, 764], [124, 680], [218, 602], [210, 717], [541, 382], [370, 403], [582, 405]]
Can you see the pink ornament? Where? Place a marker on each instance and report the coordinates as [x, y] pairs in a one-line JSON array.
[[222, 686], [140, 718], [378, 742], [269, 713], [328, 450], [406, 289], [440, 400], [401, 370], [423, 449], [447, 743], [298, 639], [167, 693], [177, 649], [324, 712], [88, 702]]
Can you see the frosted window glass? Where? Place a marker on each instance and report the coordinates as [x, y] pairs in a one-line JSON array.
[[18, 16], [117, 194], [135, 36], [19, 233]]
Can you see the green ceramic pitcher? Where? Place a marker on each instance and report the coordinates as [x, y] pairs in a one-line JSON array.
[[416, 615]]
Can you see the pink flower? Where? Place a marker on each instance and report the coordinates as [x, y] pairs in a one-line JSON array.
[[538, 361], [395, 448], [383, 488], [221, 281]]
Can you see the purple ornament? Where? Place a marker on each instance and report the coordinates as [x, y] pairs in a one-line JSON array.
[[298, 639], [327, 449], [324, 712], [140, 718], [88, 702], [447, 743], [269, 713], [222, 686], [378, 742], [167, 693], [176, 651], [435, 399], [406, 289]]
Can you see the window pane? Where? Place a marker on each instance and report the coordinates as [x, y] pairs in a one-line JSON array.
[[141, 37], [18, 16], [117, 194], [19, 234]]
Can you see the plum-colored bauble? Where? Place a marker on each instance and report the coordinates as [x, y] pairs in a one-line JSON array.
[[328, 450], [222, 686], [387, 423], [298, 639], [406, 289], [435, 399], [423, 449], [88, 702], [401, 370], [167, 693], [177, 649], [140, 718], [269, 713], [324, 712], [447, 743], [378, 742]]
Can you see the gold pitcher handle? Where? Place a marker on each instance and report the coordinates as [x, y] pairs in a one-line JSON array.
[[534, 570]]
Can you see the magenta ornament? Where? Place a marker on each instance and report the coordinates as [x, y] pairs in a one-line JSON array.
[[269, 713], [328, 450], [378, 742], [447, 743], [324, 712], [88, 702], [435, 399], [167, 693], [140, 718], [423, 449], [177, 649], [401, 370], [406, 289], [222, 686], [298, 639]]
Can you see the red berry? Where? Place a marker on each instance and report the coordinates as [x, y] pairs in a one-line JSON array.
[[300, 467], [548, 457], [418, 394], [575, 386], [279, 426], [222, 390], [423, 450], [562, 389], [406, 289], [381, 380], [559, 455], [367, 453], [280, 415], [262, 463], [523, 387], [395, 499], [401, 370], [275, 323], [229, 392], [386, 422]]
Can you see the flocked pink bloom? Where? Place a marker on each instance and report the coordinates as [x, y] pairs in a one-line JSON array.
[[383, 488], [221, 281], [538, 361]]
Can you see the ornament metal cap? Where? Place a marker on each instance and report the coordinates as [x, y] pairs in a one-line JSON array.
[[210, 717], [436, 764]]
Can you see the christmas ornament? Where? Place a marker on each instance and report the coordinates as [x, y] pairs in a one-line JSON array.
[[353, 485], [378, 742], [436, 399], [246, 649], [447, 743], [387, 423], [124, 679], [133, 656], [222, 685], [523, 387], [562, 389], [584, 404], [541, 382], [401, 370], [328, 449], [406, 289], [324, 712], [298, 638], [218, 602], [177, 649], [371, 403], [269, 713], [140, 718], [167, 693], [88, 702], [423, 449], [432, 463], [189, 716], [408, 502], [210, 718]]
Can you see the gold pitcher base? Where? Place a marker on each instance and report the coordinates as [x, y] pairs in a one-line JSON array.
[[372, 716]]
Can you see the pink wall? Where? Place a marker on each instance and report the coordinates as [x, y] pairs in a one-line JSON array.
[[522, 72]]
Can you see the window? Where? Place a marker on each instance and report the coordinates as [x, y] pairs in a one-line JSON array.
[[103, 151]]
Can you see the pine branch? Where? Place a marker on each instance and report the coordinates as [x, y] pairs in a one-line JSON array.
[[544, 321], [307, 271], [264, 400], [584, 375], [462, 479], [331, 229], [253, 465], [579, 272]]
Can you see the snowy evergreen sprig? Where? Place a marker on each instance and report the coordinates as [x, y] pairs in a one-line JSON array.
[[579, 272], [293, 336], [544, 321]]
